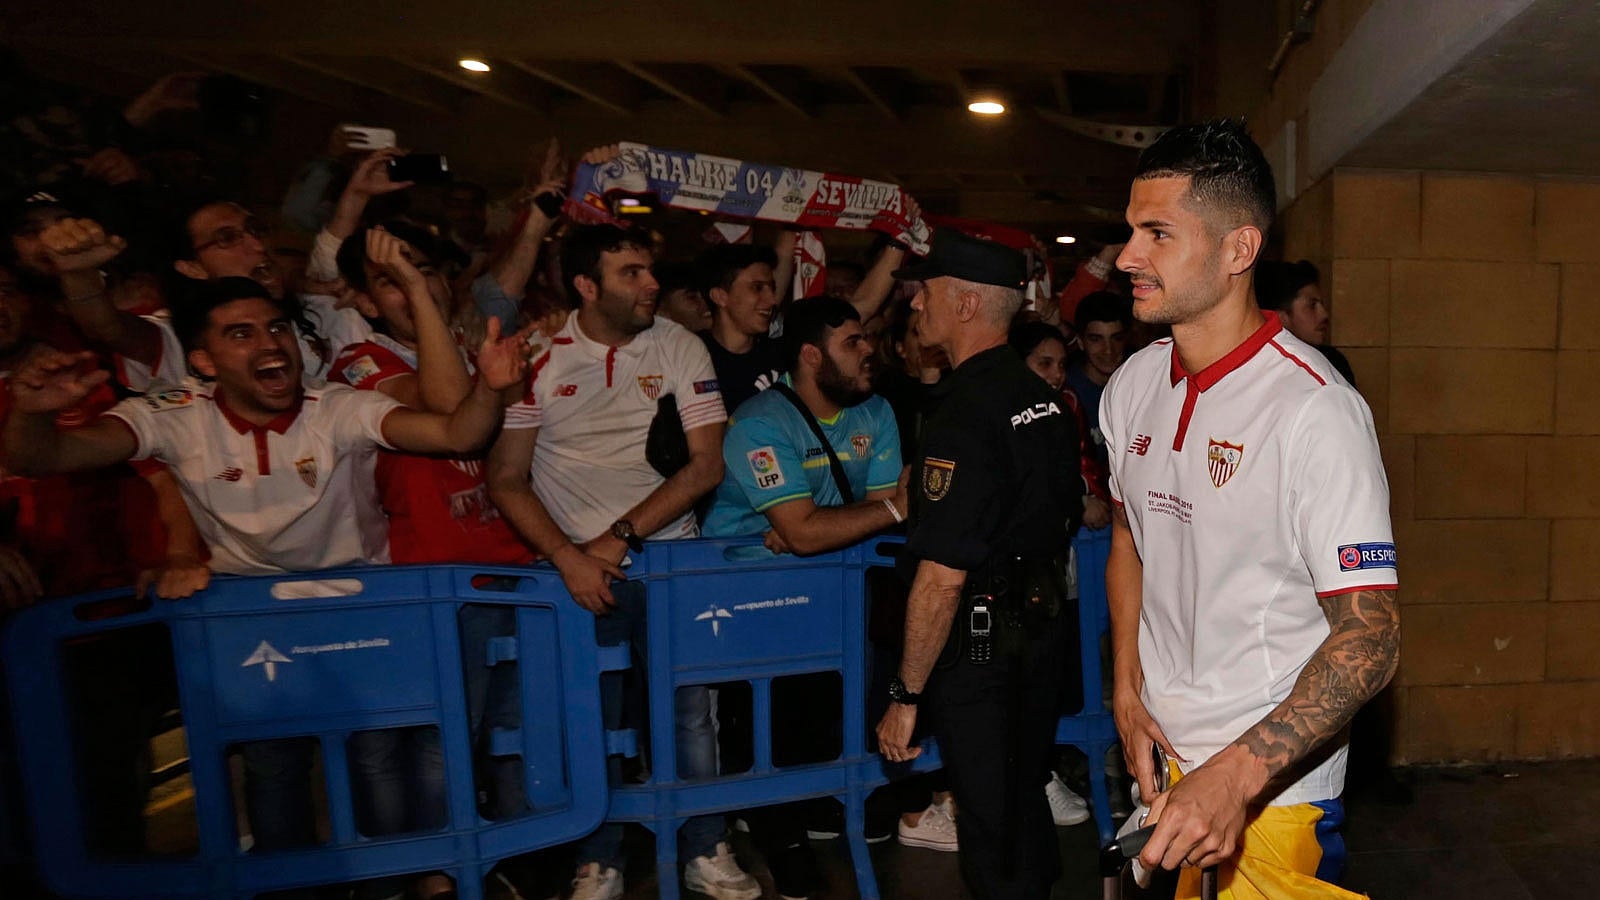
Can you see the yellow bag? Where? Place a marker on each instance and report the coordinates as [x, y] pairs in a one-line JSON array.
[[1278, 859]]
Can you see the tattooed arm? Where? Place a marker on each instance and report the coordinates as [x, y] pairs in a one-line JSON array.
[[1351, 667], [1203, 816]]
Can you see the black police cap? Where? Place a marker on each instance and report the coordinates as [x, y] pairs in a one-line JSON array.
[[968, 258]]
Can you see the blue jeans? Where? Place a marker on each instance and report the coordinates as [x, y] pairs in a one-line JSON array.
[[493, 702], [398, 780], [277, 789], [695, 734]]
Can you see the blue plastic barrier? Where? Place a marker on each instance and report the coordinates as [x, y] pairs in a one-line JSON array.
[[1093, 730], [252, 667], [723, 611]]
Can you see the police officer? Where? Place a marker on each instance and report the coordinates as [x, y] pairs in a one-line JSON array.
[[988, 625]]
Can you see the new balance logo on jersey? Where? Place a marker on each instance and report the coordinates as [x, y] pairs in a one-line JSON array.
[[231, 473], [1140, 445], [1035, 413], [566, 390]]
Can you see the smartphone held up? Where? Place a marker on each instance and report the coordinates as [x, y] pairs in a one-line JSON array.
[[422, 168]]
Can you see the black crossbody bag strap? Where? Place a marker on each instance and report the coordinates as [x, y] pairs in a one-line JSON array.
[[839, 479]]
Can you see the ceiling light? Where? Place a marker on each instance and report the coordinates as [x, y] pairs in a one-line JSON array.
[[1066, 239], [987, 107], [474, 65], [629, 201]]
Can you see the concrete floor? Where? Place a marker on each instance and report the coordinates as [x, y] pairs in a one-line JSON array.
[[1510, 832]]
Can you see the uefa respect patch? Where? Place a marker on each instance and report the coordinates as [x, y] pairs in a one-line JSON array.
[[1366, 556]]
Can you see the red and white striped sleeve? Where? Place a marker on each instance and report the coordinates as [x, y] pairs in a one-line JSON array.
[[694, 381], [528, 412]]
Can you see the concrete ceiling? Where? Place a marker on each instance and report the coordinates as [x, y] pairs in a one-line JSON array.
[[871, 89], [1523, 101]]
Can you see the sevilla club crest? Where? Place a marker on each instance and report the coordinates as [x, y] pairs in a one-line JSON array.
[[1223, 460], [861, 444], [308, 471], [651, 385], [936, 477]]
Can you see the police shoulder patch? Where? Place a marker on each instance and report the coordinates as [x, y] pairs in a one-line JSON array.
[[937, 474], [176, 398]]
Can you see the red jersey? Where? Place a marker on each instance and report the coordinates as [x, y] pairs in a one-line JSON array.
[[438, 507], [1094, 479], [85, 530]]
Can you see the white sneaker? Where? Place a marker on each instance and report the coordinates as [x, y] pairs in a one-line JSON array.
[[936, 830], [1066, 807], [719, 877], [596, 883]]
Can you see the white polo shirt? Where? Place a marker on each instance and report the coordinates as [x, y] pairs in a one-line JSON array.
[[296, 494], [593, 404], [338, 327], [1252, 488]]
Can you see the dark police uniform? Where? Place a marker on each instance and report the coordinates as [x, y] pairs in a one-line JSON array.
[[997, 489]]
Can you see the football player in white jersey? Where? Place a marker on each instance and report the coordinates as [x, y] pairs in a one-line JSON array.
[[1252, 573]]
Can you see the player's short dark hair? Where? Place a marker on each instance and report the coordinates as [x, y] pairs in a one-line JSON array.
[[720, 265], [1278, 282], [810, 321], [192, 307], [1228, 172], [1025, 337], [352, 256], [1102, 306], [584, 245]]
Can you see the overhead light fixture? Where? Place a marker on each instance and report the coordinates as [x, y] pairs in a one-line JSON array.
[[473, 65], [629, 201], [1066, 239], [986, 107]]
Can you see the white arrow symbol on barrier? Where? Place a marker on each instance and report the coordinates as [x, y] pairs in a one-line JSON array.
[[267, 657], [714, 612]]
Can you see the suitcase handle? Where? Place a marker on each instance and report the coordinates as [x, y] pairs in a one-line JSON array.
[[1122, 849], [1128, 846]]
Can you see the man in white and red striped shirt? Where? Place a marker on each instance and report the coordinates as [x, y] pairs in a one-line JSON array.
[[571, 475]]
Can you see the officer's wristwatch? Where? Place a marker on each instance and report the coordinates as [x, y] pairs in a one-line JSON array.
[[623, 531], [899, 694]]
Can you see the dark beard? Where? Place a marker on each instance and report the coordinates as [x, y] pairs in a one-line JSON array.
[[837, 388]]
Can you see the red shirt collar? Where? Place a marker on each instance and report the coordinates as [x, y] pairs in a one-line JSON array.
[[1238, 356], [279, 424]]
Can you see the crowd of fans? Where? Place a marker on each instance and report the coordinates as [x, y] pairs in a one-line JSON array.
[[371, 375]]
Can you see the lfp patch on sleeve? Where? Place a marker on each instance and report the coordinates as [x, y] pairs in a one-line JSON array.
[[177, 398], [1366, 556], [360, 370], [706, 387], [764, 466]]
